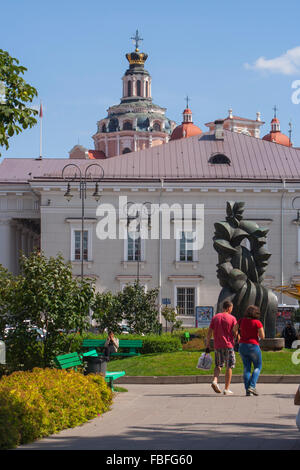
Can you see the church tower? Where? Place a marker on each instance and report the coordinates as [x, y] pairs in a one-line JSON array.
[[136, 123]]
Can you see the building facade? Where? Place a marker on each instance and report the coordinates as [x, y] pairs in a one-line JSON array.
[[206, 169]]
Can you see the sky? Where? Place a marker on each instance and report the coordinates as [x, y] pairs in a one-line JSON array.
[[239, 55]]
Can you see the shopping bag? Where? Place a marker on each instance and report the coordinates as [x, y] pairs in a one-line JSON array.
[[204, 361]]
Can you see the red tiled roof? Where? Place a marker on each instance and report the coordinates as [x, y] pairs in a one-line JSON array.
[[185, 159], [96, 154]]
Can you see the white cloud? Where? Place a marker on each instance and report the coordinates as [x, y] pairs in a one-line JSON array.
[[286, 64]]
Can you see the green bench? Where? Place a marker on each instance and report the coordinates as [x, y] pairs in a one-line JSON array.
[[131, 346], [73, 360]]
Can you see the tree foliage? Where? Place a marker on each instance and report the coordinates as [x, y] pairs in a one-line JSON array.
[[133, 305], [15, 93], [170, 316], [47, 296]]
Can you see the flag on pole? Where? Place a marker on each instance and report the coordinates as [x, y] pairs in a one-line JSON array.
[[41, 110]]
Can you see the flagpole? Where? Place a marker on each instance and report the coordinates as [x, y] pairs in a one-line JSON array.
[[41, 130]]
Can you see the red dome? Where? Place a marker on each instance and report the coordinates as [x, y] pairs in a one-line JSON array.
[[278, 138], [187, 111], [186, 129]]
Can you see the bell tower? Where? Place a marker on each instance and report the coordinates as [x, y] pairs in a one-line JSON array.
[[136, 80], [136, 123]]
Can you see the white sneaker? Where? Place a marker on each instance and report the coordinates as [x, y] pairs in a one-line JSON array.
[[227, 392], [216, 387]]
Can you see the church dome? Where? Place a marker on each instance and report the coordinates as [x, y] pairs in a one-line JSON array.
[[187, 128], [275, 135]]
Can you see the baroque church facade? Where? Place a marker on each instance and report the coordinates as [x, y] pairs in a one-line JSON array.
[[147, 159]]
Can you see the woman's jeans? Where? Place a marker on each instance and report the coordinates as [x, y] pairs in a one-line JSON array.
[[251, 354]]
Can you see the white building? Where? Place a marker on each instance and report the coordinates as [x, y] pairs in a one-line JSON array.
[[209, 169]]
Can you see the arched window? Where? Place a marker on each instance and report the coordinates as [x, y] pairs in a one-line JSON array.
[[127, 126], [126, 150], [219, 159], [129, 88], [157, 127], [104, 128], [113, 125], [138, 88]]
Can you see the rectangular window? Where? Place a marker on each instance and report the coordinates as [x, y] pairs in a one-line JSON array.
[[133, 247], [186, 300], [186, 252], [78, 247]]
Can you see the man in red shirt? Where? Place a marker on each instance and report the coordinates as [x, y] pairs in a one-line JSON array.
[[221, 327]]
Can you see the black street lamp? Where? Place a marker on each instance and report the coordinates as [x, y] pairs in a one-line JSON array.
[[84, 178]]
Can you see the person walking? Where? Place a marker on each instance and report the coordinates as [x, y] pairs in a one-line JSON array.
[[222, 329], [250, 330]]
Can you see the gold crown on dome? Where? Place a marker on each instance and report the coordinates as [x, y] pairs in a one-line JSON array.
[[136, 57]]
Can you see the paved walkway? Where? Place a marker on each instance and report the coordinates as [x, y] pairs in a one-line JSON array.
[[187, 417]]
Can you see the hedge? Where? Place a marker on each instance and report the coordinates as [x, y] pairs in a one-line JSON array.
[[45, 401]]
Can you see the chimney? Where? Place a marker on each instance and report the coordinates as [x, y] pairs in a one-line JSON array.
[[219, 133]]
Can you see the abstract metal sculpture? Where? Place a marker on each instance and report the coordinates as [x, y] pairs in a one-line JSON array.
[[241, 269]]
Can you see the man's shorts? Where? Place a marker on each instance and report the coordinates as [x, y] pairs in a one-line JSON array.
[[225, 357]]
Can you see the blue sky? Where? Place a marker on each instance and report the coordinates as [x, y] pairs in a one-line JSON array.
[[75, 55]]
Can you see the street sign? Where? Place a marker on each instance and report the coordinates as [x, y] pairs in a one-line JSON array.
[[166, 301]]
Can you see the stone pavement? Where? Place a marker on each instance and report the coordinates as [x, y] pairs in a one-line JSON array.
[[187, 417]]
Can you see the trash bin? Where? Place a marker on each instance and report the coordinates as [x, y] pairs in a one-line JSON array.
[[96, 365]]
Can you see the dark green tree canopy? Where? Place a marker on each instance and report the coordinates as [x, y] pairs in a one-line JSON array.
[[14, 94]]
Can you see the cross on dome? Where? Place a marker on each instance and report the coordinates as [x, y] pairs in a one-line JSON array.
[[136, 39]]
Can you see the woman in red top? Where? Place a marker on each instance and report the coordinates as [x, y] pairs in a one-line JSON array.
[[250, 331]]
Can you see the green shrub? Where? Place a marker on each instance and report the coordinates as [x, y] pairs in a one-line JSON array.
[[151, 343], [160, 344], [45, 401]]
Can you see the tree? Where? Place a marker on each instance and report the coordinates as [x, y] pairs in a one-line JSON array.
[[47, 296], [170, 315], [107, 311], [14, 94], [139, 308]]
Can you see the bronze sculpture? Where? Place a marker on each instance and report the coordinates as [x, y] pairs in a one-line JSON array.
[[241, 269]]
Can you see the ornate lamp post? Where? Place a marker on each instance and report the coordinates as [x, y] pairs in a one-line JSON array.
[[84, 178]]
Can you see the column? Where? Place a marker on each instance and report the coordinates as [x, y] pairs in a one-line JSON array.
[[7, 256]]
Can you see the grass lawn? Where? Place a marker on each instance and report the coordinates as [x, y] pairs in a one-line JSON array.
[[184, 363]]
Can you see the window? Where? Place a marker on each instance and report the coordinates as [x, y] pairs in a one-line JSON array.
[[77, 245], [126, 150], [219, 159], [186, 300], [127, 126], [156, 127], [186, 246], [113, 125], [104, 128], [138, 87], [129, 89], [134, 247]]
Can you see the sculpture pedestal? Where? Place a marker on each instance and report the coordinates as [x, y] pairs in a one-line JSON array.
[[272, 344]]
